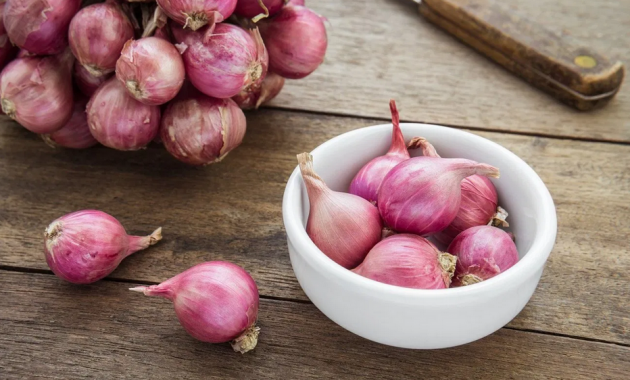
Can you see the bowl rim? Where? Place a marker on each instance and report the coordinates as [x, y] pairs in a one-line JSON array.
[[533, 260]]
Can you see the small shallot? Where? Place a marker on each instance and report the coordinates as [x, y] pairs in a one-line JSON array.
[[76, 133], [482, 253], [368, 180], [409, 261], [343, 226], [255, 96], [215, 302], [119, 121], [86, 82], [257, 9], [195, 14], [85, 246], [7, 50]]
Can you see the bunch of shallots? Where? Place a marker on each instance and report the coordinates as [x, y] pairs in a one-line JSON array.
[[174, 70], [382, 228]]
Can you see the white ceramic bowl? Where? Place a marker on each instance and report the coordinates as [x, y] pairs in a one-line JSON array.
[[417, 318]]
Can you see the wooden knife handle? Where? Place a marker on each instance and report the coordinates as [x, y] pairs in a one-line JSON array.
[[578, 76]]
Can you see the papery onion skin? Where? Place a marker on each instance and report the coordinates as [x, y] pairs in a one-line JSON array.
[[255, 96], [409, 261], [40, 26], [119, 121], [195, 14], [97, 35], [343, 226], [482, 253], [368, 180], [76, 133], [422, 195], [7, 50], [225, 62], [86, 82], [252, 8], [215, 302], [151, 69], [200, 130], [296, 40], [37, 91], [85, 246]]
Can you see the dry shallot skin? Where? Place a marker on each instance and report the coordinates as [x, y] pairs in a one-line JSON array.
[[225, 62], [422, 195], [37, 91], [252, 8], [39, 26], [195, 14], [7, 50], [368, 180], [409, 261], [97, 35], [119, 121], [86, 82], [215, 302], [76, 133], [343, 226], [85, 246], [296, 40], [151, 69], [255, 96], [482, 253], [201, 130]]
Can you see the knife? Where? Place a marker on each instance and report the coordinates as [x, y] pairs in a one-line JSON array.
[[577, 76]]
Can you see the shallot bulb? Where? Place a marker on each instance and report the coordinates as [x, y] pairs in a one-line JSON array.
[[97, 35], [482, 253], [255, 96], [368, 180], [195, 14], [40, 26], [151, 69], [225, 62], [119, 121], [343, 226], [200, 130], [253, 8], [479, 204], [37, 91], [409, 261], [86, 82], [7, 50], [76, 133], [422, 195], [86, 246], [215, 302], [296, 40]]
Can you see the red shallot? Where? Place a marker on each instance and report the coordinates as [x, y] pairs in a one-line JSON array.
[[85, 246], [257, 9], [195, 14], [215, 302], [86, 82], [343, 226], [255, 96], [119, 121], [482, 253], [409, 261], [76, 133], [7, 50]]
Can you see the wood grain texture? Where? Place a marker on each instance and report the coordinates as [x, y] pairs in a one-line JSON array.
[[383, 49], [50, 329], [232, 211]]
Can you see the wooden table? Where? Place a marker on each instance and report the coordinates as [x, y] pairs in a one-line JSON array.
[[577, 325]]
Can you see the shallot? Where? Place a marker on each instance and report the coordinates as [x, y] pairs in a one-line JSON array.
[[368, 180], [195, 14], [255, 96], [40, 26], [97, 35], [151, 69], [296, 40], [7, 50], [37, 91], [215, 302], [295, 2], [76, 133], [482, 253], [225, 62], [119, 121], [85, 246], [86, 82], [343, 226], [200, 130], [409, 261], [422, 195], [257, 9]]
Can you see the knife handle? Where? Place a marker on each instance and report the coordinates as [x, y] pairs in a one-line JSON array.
[[578, 76]]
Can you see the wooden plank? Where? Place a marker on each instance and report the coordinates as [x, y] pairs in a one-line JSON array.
[[232, 211], [54, 330], [383, 49]]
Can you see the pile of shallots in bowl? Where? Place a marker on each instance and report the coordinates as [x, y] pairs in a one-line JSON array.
[[400, 208], [124, 73]]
